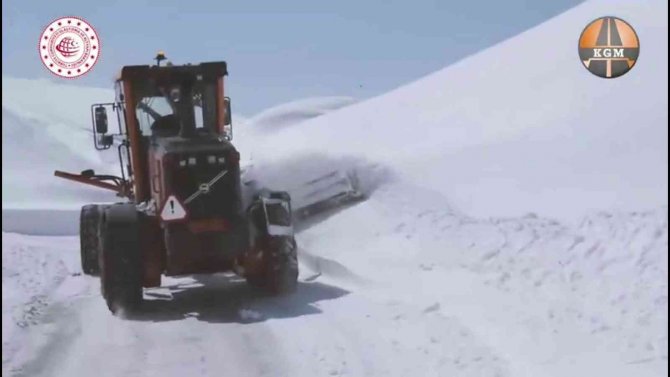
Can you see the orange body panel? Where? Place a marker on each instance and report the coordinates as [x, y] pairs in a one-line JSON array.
[[137, 157], [209, 225]]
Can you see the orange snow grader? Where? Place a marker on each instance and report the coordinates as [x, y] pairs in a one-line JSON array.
[[185, 210]]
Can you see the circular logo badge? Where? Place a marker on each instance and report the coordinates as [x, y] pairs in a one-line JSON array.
[[609, 47], [69, 47]]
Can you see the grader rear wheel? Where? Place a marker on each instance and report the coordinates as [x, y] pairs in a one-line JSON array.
[[278, 268], [89, 238]]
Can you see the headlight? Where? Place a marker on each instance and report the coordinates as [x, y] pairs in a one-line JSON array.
[[191, 161]]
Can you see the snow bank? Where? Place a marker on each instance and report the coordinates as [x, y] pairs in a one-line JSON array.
[[52, 222], [539, 297], [46, 126], [32, 270]]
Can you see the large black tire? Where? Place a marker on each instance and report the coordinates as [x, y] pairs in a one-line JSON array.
[[121, 258], [279, 272], [89, 238]]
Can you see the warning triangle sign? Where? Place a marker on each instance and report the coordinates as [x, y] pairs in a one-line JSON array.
[[173, 209]]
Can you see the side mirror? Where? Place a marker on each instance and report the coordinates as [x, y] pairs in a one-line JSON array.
[[228, 121], [101, 120]]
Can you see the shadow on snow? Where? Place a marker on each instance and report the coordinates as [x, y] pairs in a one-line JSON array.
[[223, 298]]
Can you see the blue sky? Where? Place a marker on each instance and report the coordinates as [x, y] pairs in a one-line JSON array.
[[279, 51]]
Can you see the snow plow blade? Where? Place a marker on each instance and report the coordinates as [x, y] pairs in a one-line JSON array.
[[325, 192]]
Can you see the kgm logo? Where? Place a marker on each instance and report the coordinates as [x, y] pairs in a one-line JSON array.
[[609, 47]]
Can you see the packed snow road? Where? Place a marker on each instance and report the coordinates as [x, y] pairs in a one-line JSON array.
[[413, 289]]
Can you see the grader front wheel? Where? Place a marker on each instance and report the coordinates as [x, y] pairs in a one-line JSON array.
[[277, 271], [120, 259]]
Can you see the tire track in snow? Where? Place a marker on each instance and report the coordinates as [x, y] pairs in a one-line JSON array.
[[82, 338]]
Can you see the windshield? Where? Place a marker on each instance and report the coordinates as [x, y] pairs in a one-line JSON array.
[[164, 110]]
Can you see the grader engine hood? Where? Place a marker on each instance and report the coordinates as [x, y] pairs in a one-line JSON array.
[[202, 174]]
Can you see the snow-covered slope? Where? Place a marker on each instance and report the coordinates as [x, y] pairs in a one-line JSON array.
[[46, 126], [294, 112], [249, 132], [518, 129], [521, 126]]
